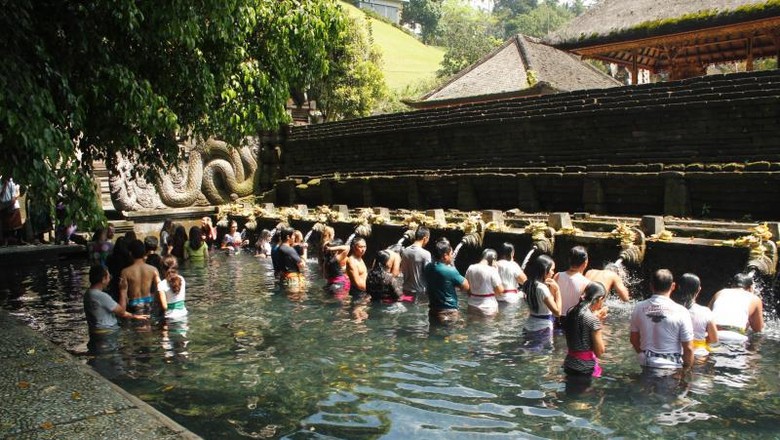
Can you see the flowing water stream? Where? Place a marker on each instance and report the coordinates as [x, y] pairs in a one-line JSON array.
[[255, 362]]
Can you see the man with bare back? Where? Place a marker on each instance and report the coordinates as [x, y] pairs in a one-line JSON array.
[[610, 278], [138, 281], [357, 271]]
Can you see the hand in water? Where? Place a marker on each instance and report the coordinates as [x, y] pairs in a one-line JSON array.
[[141, 317]]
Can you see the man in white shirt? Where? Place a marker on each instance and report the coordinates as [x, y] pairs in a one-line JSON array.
[[661, 330]]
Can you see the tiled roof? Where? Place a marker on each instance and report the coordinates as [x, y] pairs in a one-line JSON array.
[[505, 72]]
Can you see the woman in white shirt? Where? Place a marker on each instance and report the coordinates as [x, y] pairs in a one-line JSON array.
[[512, 276], [544, 303]]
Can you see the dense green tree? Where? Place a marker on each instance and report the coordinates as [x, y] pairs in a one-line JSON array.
[[425, 12], [85, 80], [355, 83], [511, 8], [540, 21], [467, 34]]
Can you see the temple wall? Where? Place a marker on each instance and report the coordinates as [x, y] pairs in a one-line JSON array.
[[704, 147]]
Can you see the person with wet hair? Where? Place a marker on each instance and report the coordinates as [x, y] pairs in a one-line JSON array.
[[335, 268], [178, 241], [357, 270], [196, 249], [737, 309], [263, 244], [543, 298], [152, 257], [704, 330], [582, 326], [610, 278], [290, 263], [572, 282], [484, 285], [381, 285], [661, 330], [512, 276], [173, 291], [137, 281], [441, 279], [414, 258], [166, 237]]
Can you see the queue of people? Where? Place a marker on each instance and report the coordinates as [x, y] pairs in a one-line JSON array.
[[667, 330]]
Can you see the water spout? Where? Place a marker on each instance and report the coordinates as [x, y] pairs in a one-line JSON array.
[[308, 235], [455, 252], [349, 240], [619, 262], [527, 257], [633, 252]]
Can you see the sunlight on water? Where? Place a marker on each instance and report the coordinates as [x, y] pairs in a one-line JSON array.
[[254, 361]]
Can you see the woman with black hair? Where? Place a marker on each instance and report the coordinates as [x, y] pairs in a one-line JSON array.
[[582, 326], [544, 302], [334, 268], [512, 276], [705, 332], [196, 249], [380, 283]]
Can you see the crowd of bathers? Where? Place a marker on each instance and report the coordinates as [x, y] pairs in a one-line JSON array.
[[129, 279]]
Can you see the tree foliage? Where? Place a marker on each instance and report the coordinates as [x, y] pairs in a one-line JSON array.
[[539, 21], [425, 12], [467, 34], [355, 83], [86, 80]]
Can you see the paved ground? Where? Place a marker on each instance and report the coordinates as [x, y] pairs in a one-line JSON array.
[[45, 393]]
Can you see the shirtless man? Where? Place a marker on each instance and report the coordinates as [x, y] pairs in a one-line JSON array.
[[356, 270], [610, 279], [737, 309], [137, 281]]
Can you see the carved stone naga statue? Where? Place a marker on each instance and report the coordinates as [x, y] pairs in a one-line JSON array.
[[213, 171]]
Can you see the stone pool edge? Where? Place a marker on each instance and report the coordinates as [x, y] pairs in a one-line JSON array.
[[49, 393]]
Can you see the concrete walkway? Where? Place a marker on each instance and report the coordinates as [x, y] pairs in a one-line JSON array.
[[48, 394]]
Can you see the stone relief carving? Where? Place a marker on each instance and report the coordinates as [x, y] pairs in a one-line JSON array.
[[213, 171]]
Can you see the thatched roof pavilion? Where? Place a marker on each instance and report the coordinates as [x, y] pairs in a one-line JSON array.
[[521, 67], [678, 36]]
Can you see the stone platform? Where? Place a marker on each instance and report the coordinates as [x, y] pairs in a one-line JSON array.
[[29, 253], [48, 394]]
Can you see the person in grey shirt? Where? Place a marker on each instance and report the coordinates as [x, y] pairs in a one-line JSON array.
[[413, 261], [101, 310]]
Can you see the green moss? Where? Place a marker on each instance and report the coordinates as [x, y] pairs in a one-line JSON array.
[[685, 22], [733, 166], [695, 167], [675, 167], [313, 182], [714, 167], [302, 186], [758, 166]]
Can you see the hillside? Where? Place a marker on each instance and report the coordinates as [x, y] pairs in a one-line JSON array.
[[406, 59]]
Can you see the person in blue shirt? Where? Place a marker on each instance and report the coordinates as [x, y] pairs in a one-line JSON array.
[[442, 278]]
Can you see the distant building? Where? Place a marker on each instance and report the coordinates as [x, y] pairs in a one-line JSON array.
[[522, 67], [390, 9], [482, 5]]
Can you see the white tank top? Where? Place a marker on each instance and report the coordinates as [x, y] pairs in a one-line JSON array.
[[571, 289], [732, 308]]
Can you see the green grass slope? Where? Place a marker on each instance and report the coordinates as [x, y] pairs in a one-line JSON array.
[[406, 59]]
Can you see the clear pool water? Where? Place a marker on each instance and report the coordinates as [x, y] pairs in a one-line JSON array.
[[254, 362]]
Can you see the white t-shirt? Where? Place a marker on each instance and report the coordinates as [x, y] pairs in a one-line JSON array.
[[732, 308], [175, 300], [533, 324], [509, 271], [662, 325], [483, 279], [572, 287], [700, 317]]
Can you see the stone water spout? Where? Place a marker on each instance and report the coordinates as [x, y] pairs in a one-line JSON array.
[[474, 235], [763, 259], [634, 252], [632, 244], [542, 237]]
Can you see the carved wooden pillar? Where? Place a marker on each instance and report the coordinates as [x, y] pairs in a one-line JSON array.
[[634, 68], [749, 54]]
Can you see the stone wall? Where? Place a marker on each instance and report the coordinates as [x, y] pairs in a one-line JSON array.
[[706, 146]]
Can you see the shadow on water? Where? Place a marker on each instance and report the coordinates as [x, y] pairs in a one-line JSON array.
[[255, 361]]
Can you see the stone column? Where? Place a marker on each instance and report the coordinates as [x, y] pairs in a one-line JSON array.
[[467, 198], [593, 196], [526, 194], [677, 202]]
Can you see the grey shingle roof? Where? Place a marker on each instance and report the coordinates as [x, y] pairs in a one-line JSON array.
[[505, 73]]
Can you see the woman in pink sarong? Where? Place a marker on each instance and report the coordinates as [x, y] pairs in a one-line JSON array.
[[583, 332]]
